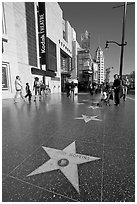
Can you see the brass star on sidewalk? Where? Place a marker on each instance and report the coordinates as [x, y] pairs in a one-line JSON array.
[[85, 100], [80, 103], [88, 118], [66, 160], [93, 107]]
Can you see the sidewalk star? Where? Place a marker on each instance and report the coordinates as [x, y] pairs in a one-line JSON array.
[[80, 103], [95, 102], [93, 107], [85, 100], [66, 160], [88, 118]]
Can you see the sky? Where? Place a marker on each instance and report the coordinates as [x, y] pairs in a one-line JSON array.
[[104, 23]]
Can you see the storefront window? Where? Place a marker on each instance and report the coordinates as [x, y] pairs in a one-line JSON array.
[[4, 77], [66, 62]]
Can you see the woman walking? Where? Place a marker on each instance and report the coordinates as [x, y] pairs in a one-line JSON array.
[[18, 87]]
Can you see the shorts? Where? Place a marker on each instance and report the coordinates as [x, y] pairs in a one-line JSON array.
[[37, 91]]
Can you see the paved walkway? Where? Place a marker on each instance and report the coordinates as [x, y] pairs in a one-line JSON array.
[[63, 149]]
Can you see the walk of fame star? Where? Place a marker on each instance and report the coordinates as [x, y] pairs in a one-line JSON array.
[[93, 107], [66, 160], [85, 100], [95, 102], [80, 103], [88, 118]]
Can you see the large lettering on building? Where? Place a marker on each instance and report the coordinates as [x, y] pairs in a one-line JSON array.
[[42, 32]]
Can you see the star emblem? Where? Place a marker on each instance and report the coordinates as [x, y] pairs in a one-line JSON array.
[[66, 160], [93, 107], [85, 100], [95, 102], [88, 118], [80, 103]]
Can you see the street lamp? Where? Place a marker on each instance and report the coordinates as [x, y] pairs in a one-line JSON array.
[[122, 41], [108, 42]]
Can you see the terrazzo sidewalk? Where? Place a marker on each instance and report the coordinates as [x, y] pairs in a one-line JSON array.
[[68, 150]]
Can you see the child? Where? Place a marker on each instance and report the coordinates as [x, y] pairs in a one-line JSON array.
[[28, 92]]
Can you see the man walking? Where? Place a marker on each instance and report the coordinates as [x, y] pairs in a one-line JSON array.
[[116, 87], [125, 84]]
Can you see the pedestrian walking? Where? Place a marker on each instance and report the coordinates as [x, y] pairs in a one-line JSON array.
[[116, 87], [125, 84], [76, 89], [18, 87], [91, 88], [42, 88], [28, 92], [36, 88], [68, 87], [96, 89], [72, 85]]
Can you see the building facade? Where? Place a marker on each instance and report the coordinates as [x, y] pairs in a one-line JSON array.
[[36, 42], [85, 71], [99, 59], [85, 40], [95, 72], [84, 62]]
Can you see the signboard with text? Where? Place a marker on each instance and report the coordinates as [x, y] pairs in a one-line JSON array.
[[42, 32]]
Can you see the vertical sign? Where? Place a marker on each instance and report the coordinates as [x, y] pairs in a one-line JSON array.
[[42, 32]]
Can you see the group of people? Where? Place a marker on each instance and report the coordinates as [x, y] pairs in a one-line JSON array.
[[118, 90], [120, 87], [38, 87], [70, 88]]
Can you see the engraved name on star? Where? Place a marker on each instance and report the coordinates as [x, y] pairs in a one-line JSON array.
[[85, 100], [80, 103], [66, 160], [88, 118], [93, 107]]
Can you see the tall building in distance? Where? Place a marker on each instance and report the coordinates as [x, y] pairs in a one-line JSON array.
[[85, 40], [99, 59]]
